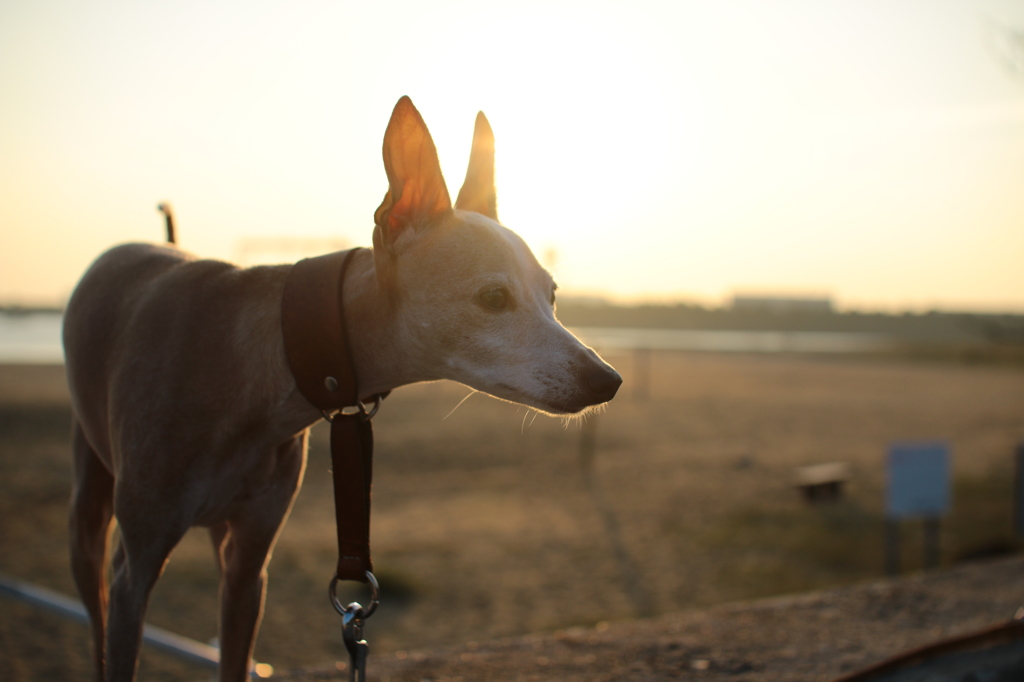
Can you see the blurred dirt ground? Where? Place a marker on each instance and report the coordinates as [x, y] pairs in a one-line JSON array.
[[491, 522]]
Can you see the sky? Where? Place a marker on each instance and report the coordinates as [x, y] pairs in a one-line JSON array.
[[871, 151]]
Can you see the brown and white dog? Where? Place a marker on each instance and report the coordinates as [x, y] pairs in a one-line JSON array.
[[186, 412]]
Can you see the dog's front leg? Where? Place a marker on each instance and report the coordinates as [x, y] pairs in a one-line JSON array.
[[138, 562], [244, 545]]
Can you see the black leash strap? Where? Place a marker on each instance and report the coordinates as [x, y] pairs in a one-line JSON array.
[[319, 355]]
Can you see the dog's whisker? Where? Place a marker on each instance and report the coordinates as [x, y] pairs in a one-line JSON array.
[[471, 392]]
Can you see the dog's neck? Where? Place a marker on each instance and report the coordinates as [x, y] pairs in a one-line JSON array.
[[373, 332]]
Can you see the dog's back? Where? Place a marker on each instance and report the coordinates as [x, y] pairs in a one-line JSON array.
[[145, 315], [96, 320]]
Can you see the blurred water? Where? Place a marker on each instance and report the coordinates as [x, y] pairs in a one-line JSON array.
[[35, 337], [617, 338], [31, 338]]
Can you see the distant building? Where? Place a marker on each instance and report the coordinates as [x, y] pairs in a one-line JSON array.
[[782, 304], [284, 249]]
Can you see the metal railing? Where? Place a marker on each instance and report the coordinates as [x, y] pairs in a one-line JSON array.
[[182, 647]]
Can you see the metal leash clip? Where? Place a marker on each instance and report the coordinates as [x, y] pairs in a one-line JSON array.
[[352, 619]]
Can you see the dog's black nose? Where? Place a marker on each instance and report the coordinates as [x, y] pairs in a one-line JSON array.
[[605, 382]]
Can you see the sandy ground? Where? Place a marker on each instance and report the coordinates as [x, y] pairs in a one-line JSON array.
[[490, 524]]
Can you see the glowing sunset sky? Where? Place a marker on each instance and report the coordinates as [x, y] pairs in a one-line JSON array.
[[869, 150]]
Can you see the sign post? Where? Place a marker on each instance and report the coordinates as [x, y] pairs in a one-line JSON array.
[[642, 374], [1018, 492], [918, 487]]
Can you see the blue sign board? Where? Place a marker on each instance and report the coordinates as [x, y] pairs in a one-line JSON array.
[[918, 480]]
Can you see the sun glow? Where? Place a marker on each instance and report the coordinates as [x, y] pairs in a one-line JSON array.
[[587, 133], [582, 133]]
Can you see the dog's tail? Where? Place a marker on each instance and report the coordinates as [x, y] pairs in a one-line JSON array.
[[165, 208]]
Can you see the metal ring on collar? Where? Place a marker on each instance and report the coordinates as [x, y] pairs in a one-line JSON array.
[[358, 410], [353, 608], [368, 414]]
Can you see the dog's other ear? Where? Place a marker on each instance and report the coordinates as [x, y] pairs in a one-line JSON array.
[[477, 193], [416, 189]]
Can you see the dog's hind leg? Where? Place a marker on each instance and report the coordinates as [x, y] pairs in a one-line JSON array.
[[89, 526]]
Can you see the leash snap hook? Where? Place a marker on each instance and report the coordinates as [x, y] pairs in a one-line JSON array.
[[352, 617]]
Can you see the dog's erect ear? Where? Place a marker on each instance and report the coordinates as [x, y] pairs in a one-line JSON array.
[[477, 193], [416, 189]]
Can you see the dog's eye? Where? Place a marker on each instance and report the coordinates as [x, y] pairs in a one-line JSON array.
[[552, 296], [495, 299]]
